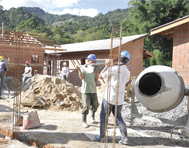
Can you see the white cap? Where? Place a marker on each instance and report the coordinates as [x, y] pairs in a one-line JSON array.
[[64, 63]]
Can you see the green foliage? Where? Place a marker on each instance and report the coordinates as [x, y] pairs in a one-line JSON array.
[[157, 59], [15, 16], [27, 25], [148, 14]]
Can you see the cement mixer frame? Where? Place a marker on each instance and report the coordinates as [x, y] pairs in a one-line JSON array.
[[181, 122]]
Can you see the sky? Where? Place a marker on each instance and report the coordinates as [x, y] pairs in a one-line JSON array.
[[76, 7]]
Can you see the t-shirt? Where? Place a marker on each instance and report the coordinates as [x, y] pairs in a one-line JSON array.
[[110, 92], [88, 83], [26, 71], [65, 71], [3, 67]]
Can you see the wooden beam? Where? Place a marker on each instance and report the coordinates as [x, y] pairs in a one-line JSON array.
[[166, 35], [36, 35], [169, 26], [32, 64], [32, 47]]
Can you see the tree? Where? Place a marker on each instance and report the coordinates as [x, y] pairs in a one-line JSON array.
[[157, 59], [148, 14], [29, 24]]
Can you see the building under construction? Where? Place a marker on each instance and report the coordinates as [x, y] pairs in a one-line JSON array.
[[18, 47]]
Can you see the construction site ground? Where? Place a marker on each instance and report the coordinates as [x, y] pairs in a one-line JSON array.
[[61, 129]]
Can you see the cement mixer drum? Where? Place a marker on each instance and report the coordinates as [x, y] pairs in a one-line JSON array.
[[159, 88]]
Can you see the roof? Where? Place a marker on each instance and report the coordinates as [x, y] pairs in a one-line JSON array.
[[97, 44], [167, 29], [29, 41]]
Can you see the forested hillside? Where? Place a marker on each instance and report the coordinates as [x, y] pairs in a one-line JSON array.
[[139, 18]]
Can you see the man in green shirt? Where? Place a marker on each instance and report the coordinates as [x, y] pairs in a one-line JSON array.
[[89, 95]]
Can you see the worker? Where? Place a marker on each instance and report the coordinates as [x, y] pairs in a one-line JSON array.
[[89, 95], [109, 99], [3, 72], [27, 72], [65, 71]]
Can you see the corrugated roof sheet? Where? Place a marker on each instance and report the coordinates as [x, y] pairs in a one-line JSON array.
[[97, 44]]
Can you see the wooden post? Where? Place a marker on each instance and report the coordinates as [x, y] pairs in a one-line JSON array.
[[108, 97], [117, 89]]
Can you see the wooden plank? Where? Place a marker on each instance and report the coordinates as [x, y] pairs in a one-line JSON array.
[[169, 26], [36, 34], [32, 47], [30, 104], [32, 64]]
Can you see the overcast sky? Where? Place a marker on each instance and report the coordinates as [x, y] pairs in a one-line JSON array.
[[77, 7]]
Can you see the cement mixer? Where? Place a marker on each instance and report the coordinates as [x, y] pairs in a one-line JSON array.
[[159, 89]]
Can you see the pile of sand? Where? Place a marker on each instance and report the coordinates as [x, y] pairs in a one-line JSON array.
[[56, 88]]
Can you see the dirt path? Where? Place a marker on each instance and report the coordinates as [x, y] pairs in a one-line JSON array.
[[63, 129]]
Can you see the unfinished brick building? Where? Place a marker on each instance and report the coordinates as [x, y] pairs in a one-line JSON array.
[[178, 30], [18, 47]]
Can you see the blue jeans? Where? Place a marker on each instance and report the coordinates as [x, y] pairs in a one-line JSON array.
[[25, 79], [119, 119], [1, 81], [64, 76]]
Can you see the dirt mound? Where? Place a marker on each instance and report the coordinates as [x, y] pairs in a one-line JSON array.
[[51, 91]]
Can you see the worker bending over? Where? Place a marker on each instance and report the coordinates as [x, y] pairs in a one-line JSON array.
[[27, 72]]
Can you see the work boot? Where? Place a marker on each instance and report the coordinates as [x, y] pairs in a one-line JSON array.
[[93, 118], [100, 137], [123, 131], [84, 118]]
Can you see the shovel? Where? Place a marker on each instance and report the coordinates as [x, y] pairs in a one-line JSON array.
[[94, 67], [58, 103]]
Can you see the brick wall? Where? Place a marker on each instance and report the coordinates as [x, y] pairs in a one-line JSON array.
[[181, 51], [21, 55]]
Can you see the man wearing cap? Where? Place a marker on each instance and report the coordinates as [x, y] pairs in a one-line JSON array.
[[27, 72], [89, 95], [65, 71], [3, 71]]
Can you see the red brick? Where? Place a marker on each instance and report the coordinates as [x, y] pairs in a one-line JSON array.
[[186, 56], [177, 31], [185, 41], [177, 51], [176, 42], [187, 66], [179, 66], [184, 50], [187, 46], [185, 30], [184, 61], [173, 66], [183, 26], [175, 61], [181, 46], [180, 56], [182, 36]]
